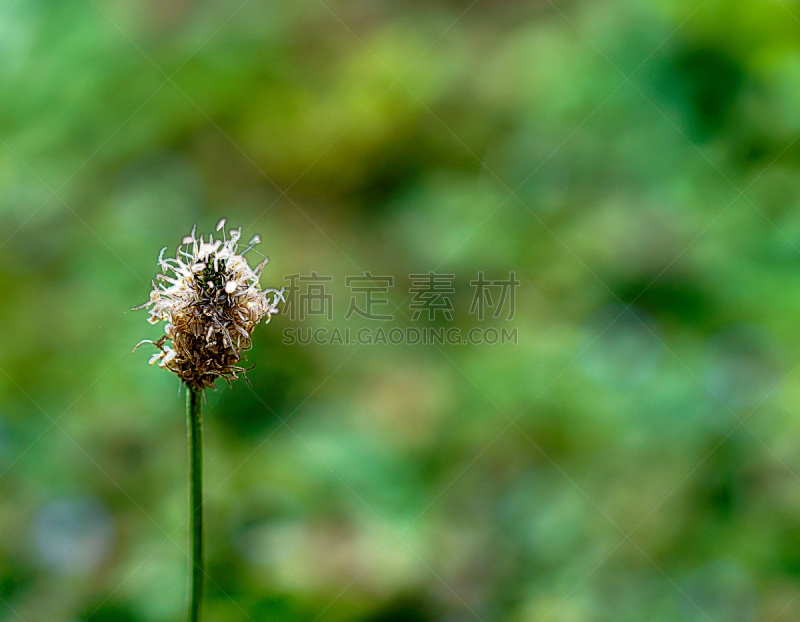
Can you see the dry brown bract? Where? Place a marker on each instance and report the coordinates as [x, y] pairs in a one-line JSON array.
[[211, 303]]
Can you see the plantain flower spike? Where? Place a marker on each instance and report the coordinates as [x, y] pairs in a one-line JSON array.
[[211, 299]]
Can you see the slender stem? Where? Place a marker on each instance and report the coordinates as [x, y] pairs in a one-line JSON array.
[[194, 423]]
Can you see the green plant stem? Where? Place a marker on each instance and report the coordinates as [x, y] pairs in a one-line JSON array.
[[194, 423]]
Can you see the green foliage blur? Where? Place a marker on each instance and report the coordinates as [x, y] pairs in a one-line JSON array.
[[634, 456]]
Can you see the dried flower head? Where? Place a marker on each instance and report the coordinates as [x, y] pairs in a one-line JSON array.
[[211, 299]]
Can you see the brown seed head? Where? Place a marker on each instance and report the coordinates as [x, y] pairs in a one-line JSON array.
[[211, 300]]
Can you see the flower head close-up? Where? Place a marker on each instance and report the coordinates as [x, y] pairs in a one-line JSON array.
[[211, 301]]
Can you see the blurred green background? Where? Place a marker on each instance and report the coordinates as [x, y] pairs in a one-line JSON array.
[[633, 457]]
